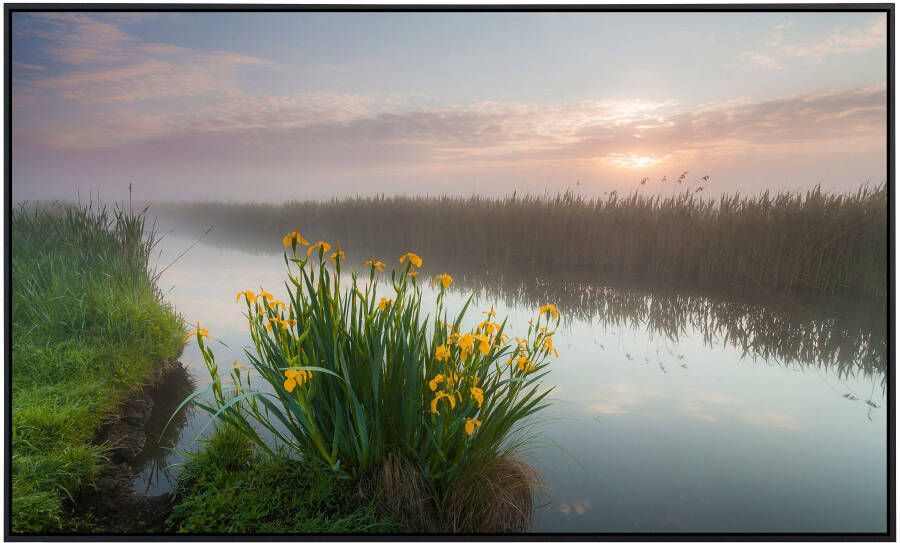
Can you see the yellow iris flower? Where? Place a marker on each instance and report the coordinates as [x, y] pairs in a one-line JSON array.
[[294, 236], [478, 394], [248, 294], [524, 364], [548, 346], [338, 254], [438, 397], [489, 327], [433, 384], [472, 425], [442, 353], [377, 264], [384, 303], [484, 344], [199, 332], [444, 279], [296, 378], [267, 295], [325, 246], [414, 259], [551, 309], [466, 344]]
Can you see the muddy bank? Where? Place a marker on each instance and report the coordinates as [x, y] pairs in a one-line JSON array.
[[134, 437]]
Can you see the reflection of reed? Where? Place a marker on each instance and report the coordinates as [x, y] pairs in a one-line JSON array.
[[827, 332], [176, 385]]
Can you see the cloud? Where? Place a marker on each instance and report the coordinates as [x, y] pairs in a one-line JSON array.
[[842, 40], [772, 419], [628, 134], [838, 41], [776, 38], [623, 398], [107, 64], [156, 76], [760, 59], [74, 38], [29, 67]]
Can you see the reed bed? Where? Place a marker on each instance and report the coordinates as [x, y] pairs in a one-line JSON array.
[[812, 241]]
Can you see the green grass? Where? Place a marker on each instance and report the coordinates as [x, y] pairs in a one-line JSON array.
[[229, 487], [88, 325], [813, 241]]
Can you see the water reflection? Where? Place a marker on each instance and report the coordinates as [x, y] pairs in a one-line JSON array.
[[151, 465], [657, 424], [834, 333]]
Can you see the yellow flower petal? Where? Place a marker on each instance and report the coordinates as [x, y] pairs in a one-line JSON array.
[[478, 394], [471, 425], [442, 353], [318, 245], [413, 258], [551, 309], [444, 279], [433, 384]]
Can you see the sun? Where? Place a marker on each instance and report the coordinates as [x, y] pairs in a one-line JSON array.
[[631, 160]]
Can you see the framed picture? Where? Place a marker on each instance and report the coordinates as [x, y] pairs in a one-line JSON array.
[[428, 271]]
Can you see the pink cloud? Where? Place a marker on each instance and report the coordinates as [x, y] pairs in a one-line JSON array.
[[109, 64]]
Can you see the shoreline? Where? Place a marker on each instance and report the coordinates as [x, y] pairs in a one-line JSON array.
[[111, 502]]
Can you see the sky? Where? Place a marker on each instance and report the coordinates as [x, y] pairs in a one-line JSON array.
[[278, 106]]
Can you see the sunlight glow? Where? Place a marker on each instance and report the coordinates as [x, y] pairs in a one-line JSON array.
[[631, 160]]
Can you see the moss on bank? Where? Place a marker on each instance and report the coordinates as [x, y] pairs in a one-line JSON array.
[[88, 327], [229, 487]]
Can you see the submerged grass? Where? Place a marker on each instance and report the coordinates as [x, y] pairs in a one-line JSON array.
[[88, 325], [814, 241]]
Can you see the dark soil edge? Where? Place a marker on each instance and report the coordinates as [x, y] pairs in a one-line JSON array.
[[110, 503]]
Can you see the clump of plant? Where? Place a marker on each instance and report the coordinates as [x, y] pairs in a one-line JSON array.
[[229, 488], [366, 386]]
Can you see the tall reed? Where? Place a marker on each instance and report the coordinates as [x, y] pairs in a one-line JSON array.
[[812, 241]]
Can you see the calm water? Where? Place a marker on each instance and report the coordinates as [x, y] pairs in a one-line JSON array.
[[671, 411]]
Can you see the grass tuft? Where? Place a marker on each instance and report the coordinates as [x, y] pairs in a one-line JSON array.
[[229, 488]]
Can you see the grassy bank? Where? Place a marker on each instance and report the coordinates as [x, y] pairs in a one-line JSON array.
[[231, 488], [88, 326], [813, 241]]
